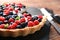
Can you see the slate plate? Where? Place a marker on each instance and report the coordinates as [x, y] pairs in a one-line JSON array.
[[42, 34]]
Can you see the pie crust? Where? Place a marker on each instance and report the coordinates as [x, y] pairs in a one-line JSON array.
[[22, 32]]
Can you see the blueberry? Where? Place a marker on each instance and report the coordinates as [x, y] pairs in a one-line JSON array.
[[24, 24], [14, 16], [19, 26], [1, 22], [34, 18], [1, 13], [39, 20], [11, 13], [21, 16], [7, 17], [1, 10]]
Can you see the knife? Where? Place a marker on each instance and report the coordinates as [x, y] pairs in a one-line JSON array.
[[50, 19], [56, 17]]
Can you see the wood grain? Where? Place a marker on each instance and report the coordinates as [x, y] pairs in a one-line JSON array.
[[51, 4]]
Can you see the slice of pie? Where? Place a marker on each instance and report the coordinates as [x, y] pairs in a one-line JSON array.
[[13, 23]]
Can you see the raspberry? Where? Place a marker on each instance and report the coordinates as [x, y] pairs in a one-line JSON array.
[[2, 18], [40, 17], [6, 12], [36, 22], [6, 8], [16, 11], [20, 5], [11, 27], [11, 20], [22, 20], [29, 18], [6, 5], [30, 24], [10, 9], [25, 14], [14, 24], [17, 21], [2, 26]]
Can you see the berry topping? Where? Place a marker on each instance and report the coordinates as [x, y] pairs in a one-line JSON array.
[[2, 26], [10, 9], [29, 18], [22, 20], [39, 20], [16, 11], [11, 20], [30, 24], [17, 18], [36, 22], [20, 5], [13, 26], [6, 13], [25, 14], [21, 16], [1, 13], [5, 21], [29, 14], [2, 18], [34, 18], [1, 22], [40, 17], [19, 26], [17, 22], [6, 5], [24, 24], [6, 26], [10, 13]]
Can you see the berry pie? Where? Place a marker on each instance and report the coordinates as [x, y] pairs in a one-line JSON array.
[[14, 22]]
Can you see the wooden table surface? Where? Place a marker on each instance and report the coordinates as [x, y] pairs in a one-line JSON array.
[[51, 4]]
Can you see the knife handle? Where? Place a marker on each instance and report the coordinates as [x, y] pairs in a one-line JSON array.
[[57, 18], [57, 28]]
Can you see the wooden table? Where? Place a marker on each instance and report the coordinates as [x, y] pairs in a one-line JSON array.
[[51, 4]]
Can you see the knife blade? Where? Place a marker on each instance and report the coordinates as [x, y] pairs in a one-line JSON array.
[[50, 19]]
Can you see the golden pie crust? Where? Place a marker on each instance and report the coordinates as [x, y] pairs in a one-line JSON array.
[[22, 32]]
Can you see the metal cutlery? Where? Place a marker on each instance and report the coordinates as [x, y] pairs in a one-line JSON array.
[[50, 19]]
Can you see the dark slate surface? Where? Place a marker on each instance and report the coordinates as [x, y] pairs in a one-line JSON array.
[[42, 34]]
